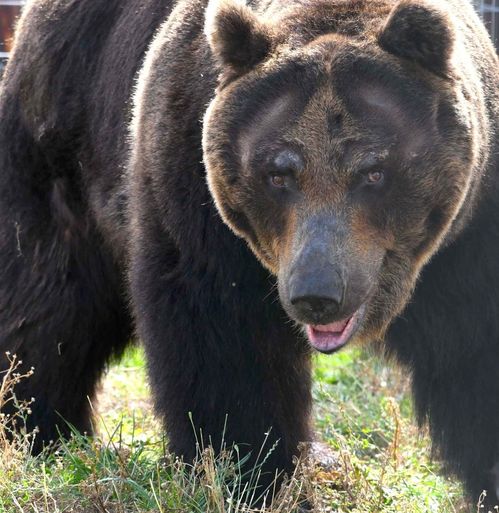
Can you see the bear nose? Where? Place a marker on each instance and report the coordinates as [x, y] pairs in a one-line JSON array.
[[318, 307], [316, 297]]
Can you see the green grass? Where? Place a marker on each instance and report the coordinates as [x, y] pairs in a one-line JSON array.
[[362, 411]]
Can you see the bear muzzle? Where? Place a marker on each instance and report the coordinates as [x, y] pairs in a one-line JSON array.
[[317, 299], [325, 283]]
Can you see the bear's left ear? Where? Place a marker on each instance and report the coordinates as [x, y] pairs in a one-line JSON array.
[[237, 36], [420, 33]]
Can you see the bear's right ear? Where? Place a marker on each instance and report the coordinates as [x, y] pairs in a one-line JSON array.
[[238, 38]]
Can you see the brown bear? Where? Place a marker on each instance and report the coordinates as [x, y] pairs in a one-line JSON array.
[[351, 143]]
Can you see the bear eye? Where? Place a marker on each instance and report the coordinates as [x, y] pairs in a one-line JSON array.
[[279, 181], [375, 177], [284, 168]]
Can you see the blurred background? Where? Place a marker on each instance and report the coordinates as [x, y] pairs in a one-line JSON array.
[[9, 11]]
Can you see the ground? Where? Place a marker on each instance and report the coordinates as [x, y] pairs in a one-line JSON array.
[[362, 410]]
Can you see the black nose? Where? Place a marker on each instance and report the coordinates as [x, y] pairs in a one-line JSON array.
[[316, 295], [318, 307]]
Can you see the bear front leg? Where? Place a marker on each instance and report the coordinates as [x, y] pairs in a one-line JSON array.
[[461, 408], [449, 337], [220, 351]]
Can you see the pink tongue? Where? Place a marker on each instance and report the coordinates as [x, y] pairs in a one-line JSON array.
[[334, 327]]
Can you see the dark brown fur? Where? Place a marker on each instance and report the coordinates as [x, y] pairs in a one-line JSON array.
[[409, 89], [103, 196]]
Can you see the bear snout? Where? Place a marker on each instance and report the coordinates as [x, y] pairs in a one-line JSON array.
[[316, 290]]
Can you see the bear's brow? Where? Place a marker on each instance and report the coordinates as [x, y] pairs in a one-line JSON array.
[[334, 121]]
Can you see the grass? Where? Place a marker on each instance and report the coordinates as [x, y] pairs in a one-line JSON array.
[[362, 412]]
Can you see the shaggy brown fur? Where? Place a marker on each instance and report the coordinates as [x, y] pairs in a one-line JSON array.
[[348, 88], [351, 143]]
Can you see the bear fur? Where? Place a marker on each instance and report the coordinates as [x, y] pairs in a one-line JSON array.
[[348, 142]]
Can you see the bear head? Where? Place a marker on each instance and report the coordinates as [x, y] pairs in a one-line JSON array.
[[338, 146]]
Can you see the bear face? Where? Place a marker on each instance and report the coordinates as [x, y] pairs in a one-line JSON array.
[[343, 156]]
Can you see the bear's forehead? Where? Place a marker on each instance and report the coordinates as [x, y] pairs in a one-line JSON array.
[[340, 115], [331, 137]]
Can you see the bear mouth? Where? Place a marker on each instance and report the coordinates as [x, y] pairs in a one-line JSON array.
[[329, 338]]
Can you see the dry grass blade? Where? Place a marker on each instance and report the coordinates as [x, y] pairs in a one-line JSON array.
[[14, 440]]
